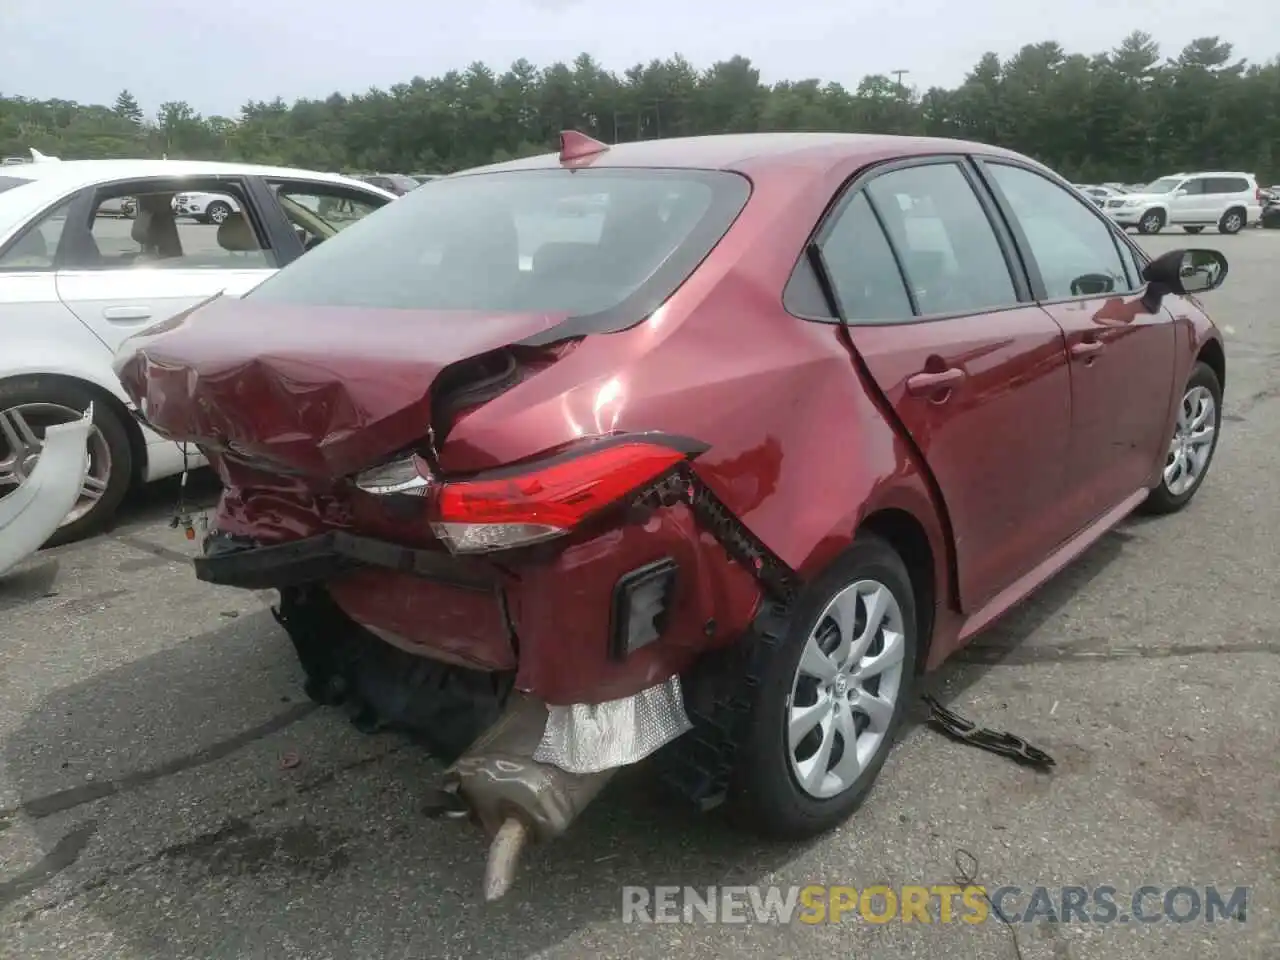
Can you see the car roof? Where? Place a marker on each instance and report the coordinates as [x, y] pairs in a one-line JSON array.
[[747, 152], [73, 174]]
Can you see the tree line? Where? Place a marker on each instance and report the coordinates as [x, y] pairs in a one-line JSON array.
[[1127, 114]]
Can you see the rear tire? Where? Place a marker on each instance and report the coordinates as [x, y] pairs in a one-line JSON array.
[[1152, 222], [1233, 221], [109, 446], [784, 788], [1174, 492]]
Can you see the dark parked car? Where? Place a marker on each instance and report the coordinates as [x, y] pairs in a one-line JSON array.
[[1271, 213], [397, 183], [719, 466]]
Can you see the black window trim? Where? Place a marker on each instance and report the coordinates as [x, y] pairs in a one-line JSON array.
[[856, 183], [1038, 288], [79, 230]]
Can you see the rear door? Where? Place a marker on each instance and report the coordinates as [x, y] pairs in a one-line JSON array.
[[975, 374], [1122, 357], [122, 275], [1191, 203]]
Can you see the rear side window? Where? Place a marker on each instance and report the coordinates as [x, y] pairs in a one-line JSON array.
[[1226, 185], [944, 240], [8, 183], [610, 245], [863, 271]]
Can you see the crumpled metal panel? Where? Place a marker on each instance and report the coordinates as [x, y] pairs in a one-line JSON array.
[[590, 737], [31, 514]]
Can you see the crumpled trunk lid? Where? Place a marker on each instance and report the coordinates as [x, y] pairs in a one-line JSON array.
[[320, 391]]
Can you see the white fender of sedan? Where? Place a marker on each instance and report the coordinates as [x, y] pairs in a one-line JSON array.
[[30, 514]]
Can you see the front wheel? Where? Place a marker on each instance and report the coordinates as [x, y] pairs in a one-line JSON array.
[[1152, 222], [217, 212], [1195, 438], [831, 701], [30, 404]]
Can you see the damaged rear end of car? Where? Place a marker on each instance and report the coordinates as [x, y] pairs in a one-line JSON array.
[[526, 606]]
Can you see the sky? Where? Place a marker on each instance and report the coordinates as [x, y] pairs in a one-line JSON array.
[[218, 54]]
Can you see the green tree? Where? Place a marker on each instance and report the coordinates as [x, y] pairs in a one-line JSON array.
[[127, 107]]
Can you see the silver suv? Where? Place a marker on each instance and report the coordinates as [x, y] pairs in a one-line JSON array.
[[1230, 201]]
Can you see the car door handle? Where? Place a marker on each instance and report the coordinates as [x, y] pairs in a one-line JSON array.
[[127, 313], [924, 384], [1086, 348]]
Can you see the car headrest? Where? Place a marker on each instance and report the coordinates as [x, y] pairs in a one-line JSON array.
[[235, 234]]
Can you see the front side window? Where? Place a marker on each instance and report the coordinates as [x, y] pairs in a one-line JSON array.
[[1073, 248], [318, 211], [36, 247], [579, 243], [1162, 186], [947, 247]]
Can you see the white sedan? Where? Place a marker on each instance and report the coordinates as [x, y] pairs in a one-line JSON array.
[[75, 285]]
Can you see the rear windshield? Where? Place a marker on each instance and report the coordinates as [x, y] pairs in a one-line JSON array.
[[606, 246], [8, 183]]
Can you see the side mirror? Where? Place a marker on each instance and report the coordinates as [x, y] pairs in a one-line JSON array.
[[1180, 192], [1181, 272]]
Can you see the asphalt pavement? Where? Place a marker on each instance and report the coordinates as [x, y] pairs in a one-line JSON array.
[[166, 791]]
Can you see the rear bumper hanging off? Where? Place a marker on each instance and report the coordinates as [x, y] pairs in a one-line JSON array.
[[234, 562]]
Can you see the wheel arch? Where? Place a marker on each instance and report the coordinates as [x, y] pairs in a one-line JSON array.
[[137, 442], [909, 539], [1214, 357]]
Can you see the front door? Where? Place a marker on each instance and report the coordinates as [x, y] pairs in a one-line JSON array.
[[123, 275], [1122, 356], [975, 376]]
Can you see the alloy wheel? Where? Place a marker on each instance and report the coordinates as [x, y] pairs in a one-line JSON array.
[[21, 440], [1192, 441], [1151, 223], [1231, 223], [845, 688]]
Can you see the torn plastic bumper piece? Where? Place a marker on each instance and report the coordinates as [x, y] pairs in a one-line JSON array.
[[233, 562], [31, 514], [513, 778]]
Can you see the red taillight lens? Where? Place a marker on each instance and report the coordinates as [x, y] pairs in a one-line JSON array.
[[546, 500]]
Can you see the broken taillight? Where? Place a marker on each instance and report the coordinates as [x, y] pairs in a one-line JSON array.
[[524, 505]]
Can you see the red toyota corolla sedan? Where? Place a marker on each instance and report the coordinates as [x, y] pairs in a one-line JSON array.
[[705, 448]]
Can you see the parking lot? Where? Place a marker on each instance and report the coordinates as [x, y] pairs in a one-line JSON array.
[[167, 791]]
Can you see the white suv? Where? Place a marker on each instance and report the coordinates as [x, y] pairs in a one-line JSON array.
[[1193, 201]]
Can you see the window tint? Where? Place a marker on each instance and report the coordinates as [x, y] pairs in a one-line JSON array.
[[580, 243], [37, 246], [948, 249], [865, 275], [318, 211], [1226, 185], [1073, 247], [157, 228], [1195, 187]]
